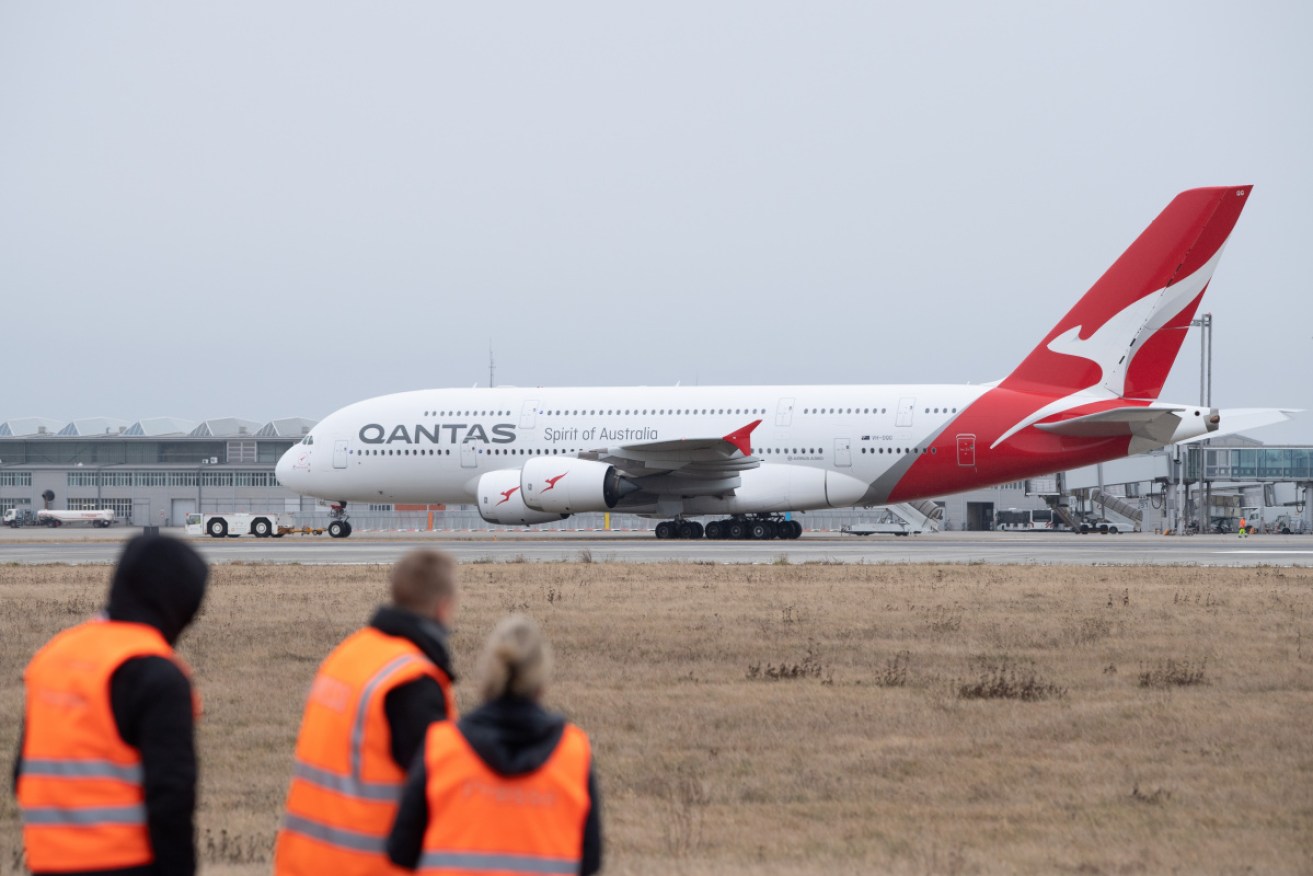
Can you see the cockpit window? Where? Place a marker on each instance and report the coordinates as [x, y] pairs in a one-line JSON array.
[[308, 440]]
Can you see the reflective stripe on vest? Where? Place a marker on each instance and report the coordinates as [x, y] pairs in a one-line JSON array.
[[335, 836], [46, 816], [81, 769], [495, 863], [347, 786]]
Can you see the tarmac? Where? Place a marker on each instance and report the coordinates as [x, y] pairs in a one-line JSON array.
[[81, 546]]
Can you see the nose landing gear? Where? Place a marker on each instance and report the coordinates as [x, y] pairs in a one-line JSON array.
[[341, 525]]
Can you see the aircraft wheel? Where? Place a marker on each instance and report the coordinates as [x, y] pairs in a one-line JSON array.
[[795, 529], [688, 530], [698, 530], [663, 530], [348, 529], [715, 529], [337, 529], [736, 529], [218, 528], [759, 531]]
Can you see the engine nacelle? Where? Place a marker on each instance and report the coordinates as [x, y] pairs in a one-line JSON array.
[[570, 486], [500, 501]]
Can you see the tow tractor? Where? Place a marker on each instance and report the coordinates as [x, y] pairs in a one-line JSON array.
[[241, 523]]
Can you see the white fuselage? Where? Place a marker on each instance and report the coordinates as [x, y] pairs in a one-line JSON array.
[[434, 445]]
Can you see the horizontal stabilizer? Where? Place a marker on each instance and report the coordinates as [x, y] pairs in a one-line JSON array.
[[1157, 424], [1236, 420]]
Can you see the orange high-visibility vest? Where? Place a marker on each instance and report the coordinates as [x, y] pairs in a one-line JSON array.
[[80, 787], [481, 822], [345, 785]]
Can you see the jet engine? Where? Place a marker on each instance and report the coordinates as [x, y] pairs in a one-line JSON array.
[[569, 486], [500, 501]]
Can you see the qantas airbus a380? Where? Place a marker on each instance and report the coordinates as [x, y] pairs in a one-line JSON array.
[[1087, 394]]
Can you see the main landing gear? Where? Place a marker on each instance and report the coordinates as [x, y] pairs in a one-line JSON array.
[[758, 528], [341, 525]]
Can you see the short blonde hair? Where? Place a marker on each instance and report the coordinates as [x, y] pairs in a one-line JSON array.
[[517, 661], [422, 579]]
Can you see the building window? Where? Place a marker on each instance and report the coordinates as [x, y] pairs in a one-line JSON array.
[[380, 507], [182, 478], [81, 479], [15, 479], [216, 479], [150, 479], [241, 451], [6, 504]]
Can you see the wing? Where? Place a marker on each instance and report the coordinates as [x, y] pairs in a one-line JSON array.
[[686, 465]]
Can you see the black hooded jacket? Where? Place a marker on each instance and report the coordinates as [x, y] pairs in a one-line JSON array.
[[159, 582], [513, 736], [411, 707]]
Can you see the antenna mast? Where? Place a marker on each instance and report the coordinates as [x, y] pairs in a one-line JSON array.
[[492, 366]]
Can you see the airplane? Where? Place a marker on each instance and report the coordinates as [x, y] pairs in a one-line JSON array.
[[749, 455]]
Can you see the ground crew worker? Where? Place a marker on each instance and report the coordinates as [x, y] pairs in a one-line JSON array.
[[509, 788], [365, 719], [1244, 528], [106, 772]]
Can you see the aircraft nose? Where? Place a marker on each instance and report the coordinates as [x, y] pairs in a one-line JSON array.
[[293, 464]]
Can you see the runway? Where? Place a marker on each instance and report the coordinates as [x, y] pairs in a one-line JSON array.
[[996, 548]]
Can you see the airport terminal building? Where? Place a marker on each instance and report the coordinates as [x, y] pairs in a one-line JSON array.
[[154, 472]]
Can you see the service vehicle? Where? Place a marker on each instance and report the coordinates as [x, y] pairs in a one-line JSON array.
[[100, 519], [260, 525], [1281, 519]]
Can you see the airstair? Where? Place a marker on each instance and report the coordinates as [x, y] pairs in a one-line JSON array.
[[1117, 505], [923, 516], [1063, 512]]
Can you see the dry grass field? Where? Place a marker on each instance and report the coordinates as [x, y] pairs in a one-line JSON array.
[[793, 719]]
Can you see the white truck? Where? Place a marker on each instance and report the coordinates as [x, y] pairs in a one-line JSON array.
[[233, 525], [1283, 519], [16, 517]]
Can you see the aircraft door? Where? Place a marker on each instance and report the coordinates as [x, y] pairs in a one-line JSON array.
[[966, 451], [906, 407], [469, 455], [843, 452], [529, 414], [339, 453], [784, 412]]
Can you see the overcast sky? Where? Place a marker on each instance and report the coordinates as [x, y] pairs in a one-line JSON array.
[[275, 209]]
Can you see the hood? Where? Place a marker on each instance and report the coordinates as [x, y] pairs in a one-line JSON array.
[[424, 633], [513, 736], [158, 581]]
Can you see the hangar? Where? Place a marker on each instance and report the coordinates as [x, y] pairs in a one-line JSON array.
[[149, 472]]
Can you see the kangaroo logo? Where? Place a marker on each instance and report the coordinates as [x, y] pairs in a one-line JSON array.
[[506, 495], [1114, 344], [551, 482]]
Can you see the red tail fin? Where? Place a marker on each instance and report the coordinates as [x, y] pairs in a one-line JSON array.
[[1126, 331]]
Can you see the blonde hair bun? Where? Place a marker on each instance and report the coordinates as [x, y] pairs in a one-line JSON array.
[[517, 661]]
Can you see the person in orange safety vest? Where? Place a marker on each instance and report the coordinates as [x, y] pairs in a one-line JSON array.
[[106, 772], [369, 708], [509, 788]]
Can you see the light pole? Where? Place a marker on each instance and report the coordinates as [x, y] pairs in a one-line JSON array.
[[1205, 322]]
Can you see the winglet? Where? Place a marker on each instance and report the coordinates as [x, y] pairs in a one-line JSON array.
[[742, 439]]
